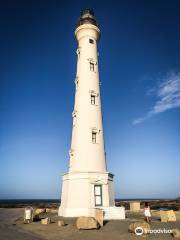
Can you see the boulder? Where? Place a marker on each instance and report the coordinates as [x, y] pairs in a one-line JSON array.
[[144, 225], [46, 221], [87, 223], [167, 216], [176, 233], [61, 223]]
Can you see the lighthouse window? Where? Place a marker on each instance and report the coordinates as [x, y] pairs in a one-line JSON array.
[[91, 41], [98, 195], [94, 137], [91, 66], [93, 99]]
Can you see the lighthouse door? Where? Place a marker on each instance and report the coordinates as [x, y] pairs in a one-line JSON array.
[[98, 195]]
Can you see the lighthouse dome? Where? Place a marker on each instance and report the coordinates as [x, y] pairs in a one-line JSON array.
[[87, 17]]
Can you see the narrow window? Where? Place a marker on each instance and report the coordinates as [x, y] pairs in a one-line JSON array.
[[93, 99], [98, 195], [91, 66], [78, 53], [91, 41], [76, 82], [94, 137]]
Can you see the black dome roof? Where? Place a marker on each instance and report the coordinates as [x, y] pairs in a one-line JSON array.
[[87, 16]]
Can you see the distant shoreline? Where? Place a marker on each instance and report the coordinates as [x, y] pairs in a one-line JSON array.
[[54, 203], [58, 200]]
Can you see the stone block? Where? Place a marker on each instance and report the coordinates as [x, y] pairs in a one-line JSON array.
[[99, 216], [61, 223], [87, 223], [171, 216], [28, 215], [134, 206], [167, 216], [46, 221]]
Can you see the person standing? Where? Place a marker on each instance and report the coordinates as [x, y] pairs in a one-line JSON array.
[[147, 212]]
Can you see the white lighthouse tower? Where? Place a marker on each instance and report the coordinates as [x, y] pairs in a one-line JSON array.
[[88, 184]]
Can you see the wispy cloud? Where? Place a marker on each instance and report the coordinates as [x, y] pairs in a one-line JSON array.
[[168, 97]]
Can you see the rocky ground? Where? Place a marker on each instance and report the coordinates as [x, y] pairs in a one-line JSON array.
[[12, 228]]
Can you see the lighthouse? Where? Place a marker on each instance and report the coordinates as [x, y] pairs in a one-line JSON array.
[[87, 185]]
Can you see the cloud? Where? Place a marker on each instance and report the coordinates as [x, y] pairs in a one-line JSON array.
[[167, 94]]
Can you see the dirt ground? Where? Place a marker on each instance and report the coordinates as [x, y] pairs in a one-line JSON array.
[[12, 228]]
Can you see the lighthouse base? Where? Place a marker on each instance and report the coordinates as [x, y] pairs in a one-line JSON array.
[[84, 191], [110, 213]]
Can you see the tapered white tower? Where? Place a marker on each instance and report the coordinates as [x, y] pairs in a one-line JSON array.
[[88, 184]]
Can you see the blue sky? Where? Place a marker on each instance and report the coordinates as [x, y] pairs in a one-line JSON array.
[[140, 75]]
